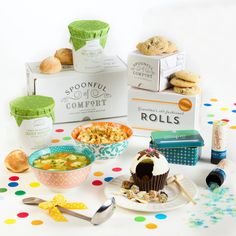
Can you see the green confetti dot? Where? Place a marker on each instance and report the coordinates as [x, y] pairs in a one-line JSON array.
[[66, 138], [3, 190], [20, 192], [210, 115], [139, 218]]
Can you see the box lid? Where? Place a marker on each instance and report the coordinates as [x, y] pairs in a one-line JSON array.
[[178, 138]]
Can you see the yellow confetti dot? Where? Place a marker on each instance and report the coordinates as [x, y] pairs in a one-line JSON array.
[[36, 222], [98, 173], [214, 100], [34, 184], [151, 226], [224, 109], [10, 221], [233, 127]]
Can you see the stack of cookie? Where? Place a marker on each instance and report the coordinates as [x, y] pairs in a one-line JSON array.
[[185, 83], [156, 45]]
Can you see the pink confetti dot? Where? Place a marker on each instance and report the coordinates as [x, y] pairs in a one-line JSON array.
[[117, 169], [97, 182], [14, 178], [59, 130], [23, 214]]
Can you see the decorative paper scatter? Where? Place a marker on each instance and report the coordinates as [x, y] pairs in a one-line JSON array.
[[213, 207]]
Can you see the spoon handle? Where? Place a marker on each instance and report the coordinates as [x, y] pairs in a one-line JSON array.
[[75, 214]]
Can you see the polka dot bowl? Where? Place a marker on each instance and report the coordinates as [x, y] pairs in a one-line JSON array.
[[107, 150], [65, 179]]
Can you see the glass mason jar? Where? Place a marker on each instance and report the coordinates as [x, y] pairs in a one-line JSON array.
[[88, 38], [34, 117]]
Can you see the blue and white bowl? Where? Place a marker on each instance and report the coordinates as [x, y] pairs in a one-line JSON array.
[[104, 151]]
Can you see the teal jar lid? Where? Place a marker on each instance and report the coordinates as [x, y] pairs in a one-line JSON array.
[[86, 30], [34, 106], [177, 139]]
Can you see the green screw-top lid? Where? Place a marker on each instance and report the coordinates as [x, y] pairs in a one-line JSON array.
[[29, 107], [86, 30]]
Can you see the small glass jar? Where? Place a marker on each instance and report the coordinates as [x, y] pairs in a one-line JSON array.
[[34, 116], [88, 38]]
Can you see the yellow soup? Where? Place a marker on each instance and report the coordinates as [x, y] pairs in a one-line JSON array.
[[61, 161]]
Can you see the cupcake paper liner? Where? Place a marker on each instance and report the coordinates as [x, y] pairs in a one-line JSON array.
[[155, 183]]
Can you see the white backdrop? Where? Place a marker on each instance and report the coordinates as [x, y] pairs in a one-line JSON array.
[[33, 30]]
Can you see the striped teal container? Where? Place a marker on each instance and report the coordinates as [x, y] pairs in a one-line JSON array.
[[179, 147]]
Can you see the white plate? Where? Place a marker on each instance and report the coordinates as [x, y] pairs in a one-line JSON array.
[[175, 198]]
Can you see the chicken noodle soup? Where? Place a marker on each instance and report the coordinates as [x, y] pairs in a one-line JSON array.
[[61, 161]]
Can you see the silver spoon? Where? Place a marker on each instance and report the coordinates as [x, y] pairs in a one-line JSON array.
[[102, 214]]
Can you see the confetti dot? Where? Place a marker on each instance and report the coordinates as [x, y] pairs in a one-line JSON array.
[[214, 100], [210, 115], [233, 127], [97, 182], [20, 193], [226, 120], [23, 214], [139, 218], [234, 111], [13, 184], [34, 184], [10, 221], [151, 226], [67, 138], [3, 190], [108, 179], [59, 130], [210, 122], [55, 140], [116, 169], [234, 104], [161, 216], [36, 222], [207, 104], [98, 173], [14, 178], [224, 109]]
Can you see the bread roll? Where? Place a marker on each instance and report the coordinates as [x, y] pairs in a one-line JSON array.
[[50, 65], [17, 161], [65, 56]]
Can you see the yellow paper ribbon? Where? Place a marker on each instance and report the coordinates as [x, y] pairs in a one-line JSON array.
[[59, 200]]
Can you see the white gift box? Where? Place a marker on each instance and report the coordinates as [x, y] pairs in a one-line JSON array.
[[80, 96], [167, 110], [152, 72]]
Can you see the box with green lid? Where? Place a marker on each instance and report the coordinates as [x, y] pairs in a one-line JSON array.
[[179, 147]]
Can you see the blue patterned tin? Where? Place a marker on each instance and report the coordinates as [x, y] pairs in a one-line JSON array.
[[179, 147]]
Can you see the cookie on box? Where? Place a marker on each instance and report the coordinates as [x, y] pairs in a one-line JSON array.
[[187, 91], [153, 46]]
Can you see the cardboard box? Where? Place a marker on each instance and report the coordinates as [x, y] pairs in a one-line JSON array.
[[152, 72], [149, 111], [80, 96]]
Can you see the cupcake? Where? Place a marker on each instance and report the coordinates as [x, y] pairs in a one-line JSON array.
[[149, 170]]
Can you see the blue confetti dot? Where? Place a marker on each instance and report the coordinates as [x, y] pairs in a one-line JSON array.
[[108, 179], [161, 216], [13, 184], [207, 104], [210, 122], [234, 111]]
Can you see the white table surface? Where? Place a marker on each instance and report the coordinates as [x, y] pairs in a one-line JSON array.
[[122, 222]]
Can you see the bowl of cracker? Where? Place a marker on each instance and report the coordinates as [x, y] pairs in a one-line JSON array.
[[107, 140]]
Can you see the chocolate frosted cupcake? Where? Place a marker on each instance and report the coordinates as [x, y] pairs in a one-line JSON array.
[[149, 170]]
